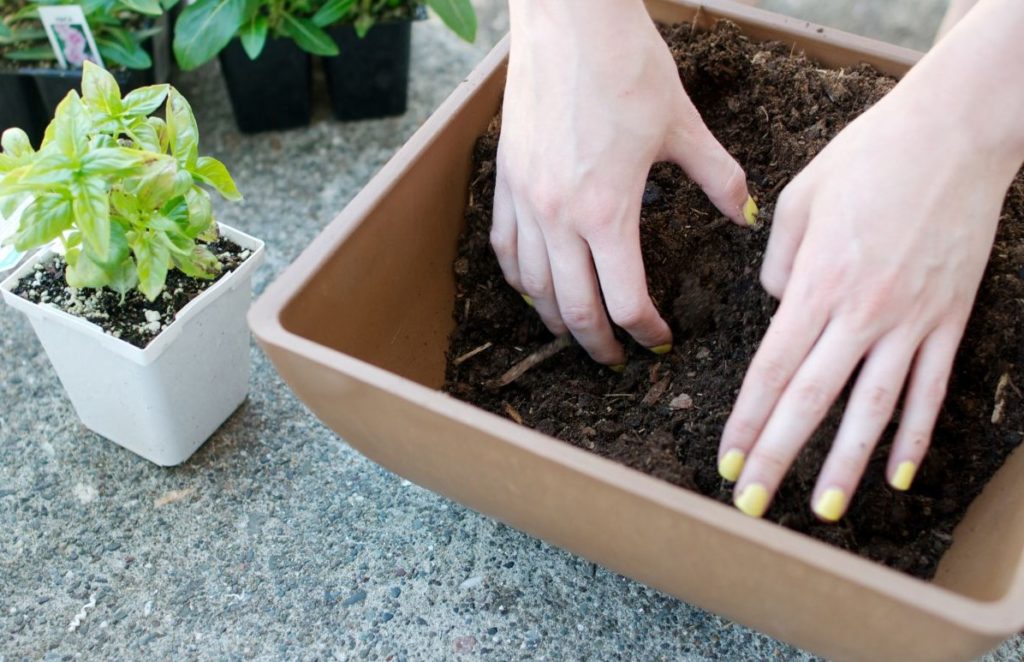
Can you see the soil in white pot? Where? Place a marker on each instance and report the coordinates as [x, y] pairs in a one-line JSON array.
[[135, 320]]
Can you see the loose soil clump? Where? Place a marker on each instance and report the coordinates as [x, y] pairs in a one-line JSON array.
[[773, 110], [135, 320]]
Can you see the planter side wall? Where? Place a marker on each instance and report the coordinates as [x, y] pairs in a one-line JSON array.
[[389, 256]]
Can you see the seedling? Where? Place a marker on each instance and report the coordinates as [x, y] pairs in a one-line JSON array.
[[23, 38], [120, 189]]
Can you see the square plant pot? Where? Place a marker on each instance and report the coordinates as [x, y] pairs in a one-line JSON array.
[[161, 402], [359, 328]]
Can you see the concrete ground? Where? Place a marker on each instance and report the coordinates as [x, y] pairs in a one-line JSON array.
[[277, 541]]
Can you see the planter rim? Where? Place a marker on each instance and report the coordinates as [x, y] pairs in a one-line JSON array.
[[995, 617], [156, 347]]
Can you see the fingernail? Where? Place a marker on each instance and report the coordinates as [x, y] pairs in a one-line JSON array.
[[528, 299], [618, 367], [662, 349], [731, 465], [753, 500], [904, 476], [831, 504], [750, 211]]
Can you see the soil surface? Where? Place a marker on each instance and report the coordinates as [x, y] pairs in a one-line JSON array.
[[664, 416], [136, 320]]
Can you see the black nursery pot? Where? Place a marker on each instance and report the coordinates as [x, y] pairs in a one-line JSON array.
[[54, 84], [271, 92], [20, 106], [371, 76]]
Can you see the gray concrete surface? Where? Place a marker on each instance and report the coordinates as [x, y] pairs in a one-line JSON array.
[[277, 541]]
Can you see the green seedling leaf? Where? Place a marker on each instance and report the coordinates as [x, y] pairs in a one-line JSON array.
[[182, 132], [212, 172], [72, 126], [148, 7], [91, 207], [145, 100], [254, 36], [100, 90], [308, 36], [111, 161], [200, 213], [332, 12], [457, 15], [33, 54], [43, 221], [16, 144], [362, 24], [203, 29], [152, 260], [127, 53]]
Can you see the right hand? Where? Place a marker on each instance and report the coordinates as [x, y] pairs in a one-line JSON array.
[[592, 99]]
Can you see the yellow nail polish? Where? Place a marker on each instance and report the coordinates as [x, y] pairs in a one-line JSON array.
[[731, 465], [753, 500], [904, 476], [831, 505], [750, 211], [662, 349], [528, 299], [618, 367]]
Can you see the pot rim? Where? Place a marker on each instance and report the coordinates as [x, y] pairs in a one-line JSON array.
[[998, 617], [157, 346]]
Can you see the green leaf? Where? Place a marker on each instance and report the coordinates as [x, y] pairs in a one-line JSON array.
[[203, 29], [5, 32], [254, 36], [198, 263], [457, 15], [100, 90], [72, 126], [145, 100], [127, 53], [151, 259], [34, 54], [148, 7], [82, 271], [308, 36], [43, 221], [213, 172], [157, 185], [146, 137], [182, 132], [332, 12], [91, 207], [111, 161], [200, 212], [16, 144], [363, 24]]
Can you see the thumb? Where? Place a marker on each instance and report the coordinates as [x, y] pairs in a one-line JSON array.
[[691, 145]]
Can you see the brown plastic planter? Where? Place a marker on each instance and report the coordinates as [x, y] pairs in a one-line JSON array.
[[359, 325]]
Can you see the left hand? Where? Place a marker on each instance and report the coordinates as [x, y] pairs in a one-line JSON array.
[[876, 252]]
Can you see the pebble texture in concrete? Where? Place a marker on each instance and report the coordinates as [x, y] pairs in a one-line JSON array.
[[277, 541]]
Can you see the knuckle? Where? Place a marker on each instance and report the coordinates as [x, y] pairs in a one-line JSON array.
[[630, 314], [578, 316], [771, 373], [813, 398], [536, 285], [880, 401], [740, 431], [547, 201], [770, 460]]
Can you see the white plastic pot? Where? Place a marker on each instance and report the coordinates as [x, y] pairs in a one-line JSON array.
[[164, 401]]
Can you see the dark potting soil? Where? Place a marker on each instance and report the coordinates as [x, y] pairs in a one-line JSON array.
[[664, 416], [136, 320]]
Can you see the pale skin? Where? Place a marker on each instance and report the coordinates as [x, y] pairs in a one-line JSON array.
[[885, 280]]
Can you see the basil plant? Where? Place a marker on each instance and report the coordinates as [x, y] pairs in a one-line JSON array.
[[204, 28], [123, 190], [118, 26]]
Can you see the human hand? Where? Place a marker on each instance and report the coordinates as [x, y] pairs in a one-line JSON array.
[[592, 99], [876, 251]]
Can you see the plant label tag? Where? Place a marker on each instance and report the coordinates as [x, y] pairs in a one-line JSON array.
[[70, 36], [10, 256]]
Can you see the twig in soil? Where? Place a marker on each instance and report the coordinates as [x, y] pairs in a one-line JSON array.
[[997, 410], [538, 357], [620, 395], [471, 353], [656, 391], [513, 413], [712, 226]]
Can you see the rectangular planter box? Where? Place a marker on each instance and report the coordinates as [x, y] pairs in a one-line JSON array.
[[359, 326]]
